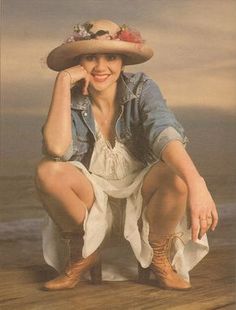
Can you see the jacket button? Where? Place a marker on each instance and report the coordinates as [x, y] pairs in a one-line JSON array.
[[85, 113]]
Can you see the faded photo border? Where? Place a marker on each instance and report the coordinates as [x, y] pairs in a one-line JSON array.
[[195, 66]]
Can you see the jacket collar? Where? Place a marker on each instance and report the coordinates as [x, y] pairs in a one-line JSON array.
[[124, 93]]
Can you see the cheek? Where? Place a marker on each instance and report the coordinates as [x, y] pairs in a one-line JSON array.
[[117, 68], [120, 65]]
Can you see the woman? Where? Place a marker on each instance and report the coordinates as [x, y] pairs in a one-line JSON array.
[[116, 166]]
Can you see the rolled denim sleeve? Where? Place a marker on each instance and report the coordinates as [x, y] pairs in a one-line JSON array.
[[159, 123], [167, 135]]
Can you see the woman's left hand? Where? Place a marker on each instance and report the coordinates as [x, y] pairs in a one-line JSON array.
[[202, 208]]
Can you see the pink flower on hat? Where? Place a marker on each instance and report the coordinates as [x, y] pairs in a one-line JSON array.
[[129, 34]]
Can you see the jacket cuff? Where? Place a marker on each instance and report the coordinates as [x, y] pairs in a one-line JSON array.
[[167, 135]]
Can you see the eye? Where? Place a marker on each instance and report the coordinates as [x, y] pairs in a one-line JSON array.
[[90, 57], [111, 57]]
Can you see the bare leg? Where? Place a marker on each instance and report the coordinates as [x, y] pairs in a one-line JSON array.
[[165, 196], [65, 193]]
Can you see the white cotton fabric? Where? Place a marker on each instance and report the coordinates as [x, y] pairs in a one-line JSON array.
[[117, 179]]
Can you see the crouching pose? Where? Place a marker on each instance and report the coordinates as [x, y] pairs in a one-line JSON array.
[[116, 174]]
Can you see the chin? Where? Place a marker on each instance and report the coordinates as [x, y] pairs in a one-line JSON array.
[[101, 86]]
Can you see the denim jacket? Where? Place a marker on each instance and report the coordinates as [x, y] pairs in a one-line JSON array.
[[145, 124]]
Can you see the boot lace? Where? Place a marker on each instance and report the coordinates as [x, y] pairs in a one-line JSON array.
[[162, 252]]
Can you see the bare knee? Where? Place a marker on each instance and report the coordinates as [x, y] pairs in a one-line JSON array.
[[172, 182], [48, 175], [160, 178], [60, 178]]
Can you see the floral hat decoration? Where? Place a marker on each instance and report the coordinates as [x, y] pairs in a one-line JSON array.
[[101, 36]]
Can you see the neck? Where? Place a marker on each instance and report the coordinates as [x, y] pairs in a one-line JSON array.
[[105, 98]]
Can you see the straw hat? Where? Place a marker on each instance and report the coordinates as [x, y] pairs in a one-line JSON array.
[[100, 36]]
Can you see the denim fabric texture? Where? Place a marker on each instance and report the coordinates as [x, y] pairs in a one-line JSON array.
[[145, 124]]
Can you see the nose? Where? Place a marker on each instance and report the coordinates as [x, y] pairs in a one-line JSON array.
[[101, 63]]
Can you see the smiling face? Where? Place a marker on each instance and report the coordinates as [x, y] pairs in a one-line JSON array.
[[104, 69]]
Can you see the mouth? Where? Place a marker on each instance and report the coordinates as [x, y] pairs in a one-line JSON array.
[[100, 77]]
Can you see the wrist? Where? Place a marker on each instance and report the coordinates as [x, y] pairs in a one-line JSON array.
[[65, 77], [195, 181]]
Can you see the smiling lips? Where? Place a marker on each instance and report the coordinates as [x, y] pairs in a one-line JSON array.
[[100, 77]]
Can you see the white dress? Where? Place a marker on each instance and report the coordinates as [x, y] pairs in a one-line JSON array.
[[117, 179]]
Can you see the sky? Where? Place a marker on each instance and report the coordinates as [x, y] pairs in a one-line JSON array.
[[193, 41]]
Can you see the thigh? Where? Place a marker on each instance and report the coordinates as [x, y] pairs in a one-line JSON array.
[[52, 176]]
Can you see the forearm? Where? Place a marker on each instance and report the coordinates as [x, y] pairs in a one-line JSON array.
[[176, 157], [57, 129], [203, 213]]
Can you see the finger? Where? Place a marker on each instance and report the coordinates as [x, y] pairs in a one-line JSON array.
[[214, 219], [86, 84], [209, 221], [209, 218], [188, 216], [195, 228], [203, 227]]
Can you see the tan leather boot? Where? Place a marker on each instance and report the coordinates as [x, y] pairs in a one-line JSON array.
[[165, 274], [77, 266]]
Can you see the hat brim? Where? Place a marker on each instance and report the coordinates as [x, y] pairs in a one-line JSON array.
[[66, 55]]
